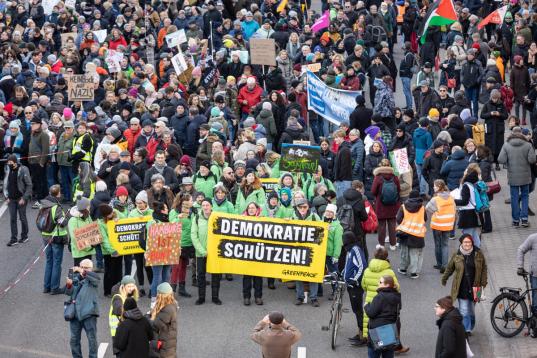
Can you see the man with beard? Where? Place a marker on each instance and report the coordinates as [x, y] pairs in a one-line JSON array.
[[160, 167], [158, 192], [228, 179]]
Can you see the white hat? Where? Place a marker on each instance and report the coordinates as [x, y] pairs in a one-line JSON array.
[[331, 207]]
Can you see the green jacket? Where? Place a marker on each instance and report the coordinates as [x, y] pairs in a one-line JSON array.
[[76, 222], [106, 247], [186, 226], [257, 196], [335, 239], [205, 185], [309, 187], [64, 150], [456, 265], [270, 213], [370, 282], [218, 170], [285, 212], [311, 217], [138, 214], [275, 173], [226, 207], [198, 233]]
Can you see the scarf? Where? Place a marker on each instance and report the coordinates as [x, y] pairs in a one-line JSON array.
[[160, 217], [465, 252], [159, 168], [219, 201]]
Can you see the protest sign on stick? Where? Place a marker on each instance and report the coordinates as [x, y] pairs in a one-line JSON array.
[[163, 245], [300, 158], [80, 88], [124, 234]]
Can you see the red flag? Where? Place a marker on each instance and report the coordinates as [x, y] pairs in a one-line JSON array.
[[495, 17]]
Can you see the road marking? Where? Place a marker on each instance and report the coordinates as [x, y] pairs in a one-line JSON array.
[[36, 353], [102, 350], [301, 352], [3, 209]]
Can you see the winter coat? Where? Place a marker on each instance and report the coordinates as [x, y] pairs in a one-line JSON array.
[[453, 169], [451, 340], [179, 124], [165, 327], [243, 199], [457, 131], [530, 244], [86, 290], [198, 233], [431, 167], [384, 100], [370, 282], [170, 178], [206, 184], [39, 148], [275, 342], [520, 82], [456, 266], [384, 308], [335, 239], [24, 182], [133, 335], [467, 217], [343, 163], [425, 101], [412, 206], [360, 119], [471, 73], [275, 81], [292, 133], [404, 142], [328, 157], [309, 186], [494, 125], [286, 68], [65, 145], [384, 211], [100, 197], [350, 83], [253, 97], [372, 161], [519, 155], [422, 140], [357, 157], [266, 119], [356, 200]]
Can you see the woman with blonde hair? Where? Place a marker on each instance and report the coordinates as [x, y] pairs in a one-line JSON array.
[[164, 322], [127, 288]]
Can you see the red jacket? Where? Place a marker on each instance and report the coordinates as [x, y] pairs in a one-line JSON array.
[[384, 211], [302, 100], [113, 44], [131, 138], [350, 83], [253, 97], [56, 66]]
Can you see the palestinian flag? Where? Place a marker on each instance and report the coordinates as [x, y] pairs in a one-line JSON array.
[[495, 17], [440, 13]]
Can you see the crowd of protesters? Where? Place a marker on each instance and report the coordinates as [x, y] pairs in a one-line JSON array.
[[178, 147]]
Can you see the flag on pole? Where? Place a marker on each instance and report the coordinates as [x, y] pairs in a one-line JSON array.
[[281, 5], [322, 23], [495, 17], [440, 13]]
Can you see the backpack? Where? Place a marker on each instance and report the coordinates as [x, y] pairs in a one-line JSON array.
[[482, 203], [507, 97], [478, 133], [389, 194], [371, 224], [345, 215], [44, 220]]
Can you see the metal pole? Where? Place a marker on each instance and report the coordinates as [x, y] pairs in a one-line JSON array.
[[212, 45]]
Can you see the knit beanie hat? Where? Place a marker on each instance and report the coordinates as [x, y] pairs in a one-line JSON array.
[[164, 288]]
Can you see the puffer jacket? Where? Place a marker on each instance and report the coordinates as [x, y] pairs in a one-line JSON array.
[[165, 328], [453, 169], [370, 282], [133, 335], [457, 131], [266, 119], [422, 142], [519, 155], [372, 161]]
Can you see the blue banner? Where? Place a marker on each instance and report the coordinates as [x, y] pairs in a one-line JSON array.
[[333, 104]]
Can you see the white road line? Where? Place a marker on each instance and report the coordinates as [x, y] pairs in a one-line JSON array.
[[102, 350], [301, 352], [3, 208]]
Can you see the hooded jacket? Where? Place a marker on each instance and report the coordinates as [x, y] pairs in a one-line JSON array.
[[75, 222], [453, 169], [266, 119], [343, 163], [356, 200], [384, 308], [519, 156], [451, 340], [457, 131], [133, 335], [384, 211], [422, 142]]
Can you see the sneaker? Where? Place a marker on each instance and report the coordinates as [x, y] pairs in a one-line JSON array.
[[356, 338], [299, 301], [12, 243], [438, 267], [414, 275], [393, 247], [452, 237], [199, 301], [22, 241], [46, 290], [57, 291], [359, 343], [217, 301], [507, 201], [259, 301], [516, 224], [524, 223], [37, 205], [401, 271], [315, 303]]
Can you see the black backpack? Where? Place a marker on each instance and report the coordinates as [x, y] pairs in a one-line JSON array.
[[389, 194], [345, 215]]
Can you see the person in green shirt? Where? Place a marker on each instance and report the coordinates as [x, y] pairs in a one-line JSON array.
[[252, 210], [113, 263], [311, 184], [271, 207], [199, 232], [182, 213], [286, 210], [335, 240], [204, 180], [218, 163], [273, 160], [250, 190], [80, 216], [221, 204], [122, 203]]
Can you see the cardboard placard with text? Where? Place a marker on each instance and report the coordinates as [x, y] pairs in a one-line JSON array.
[[80, 88], [163, 245], [263, 52], [87, 235]]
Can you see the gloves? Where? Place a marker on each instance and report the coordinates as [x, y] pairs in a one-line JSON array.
[[335, 260], [520, 271]]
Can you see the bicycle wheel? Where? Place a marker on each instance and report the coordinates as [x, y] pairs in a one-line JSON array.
[[336, 318], [508, 315]]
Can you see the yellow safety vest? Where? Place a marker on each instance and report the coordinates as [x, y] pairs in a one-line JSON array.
[[113, 320], [413, 223], [77, 147], [444, 218], [79, 192], [58, 230]]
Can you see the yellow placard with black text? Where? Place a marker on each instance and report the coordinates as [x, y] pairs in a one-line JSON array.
[[267, 247], [124, 234]]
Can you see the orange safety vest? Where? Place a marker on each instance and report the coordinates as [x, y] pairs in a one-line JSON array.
[[413, 223], [401, 9], [444, 218]]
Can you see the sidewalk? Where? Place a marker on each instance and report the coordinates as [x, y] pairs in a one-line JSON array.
[[500, 248]]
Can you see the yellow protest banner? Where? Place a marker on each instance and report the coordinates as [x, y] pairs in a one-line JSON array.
[[269, 185], [124, 234], [267, 247]]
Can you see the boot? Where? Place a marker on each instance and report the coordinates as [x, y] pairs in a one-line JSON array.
[[174, 287], [182, 291], [194, 281]]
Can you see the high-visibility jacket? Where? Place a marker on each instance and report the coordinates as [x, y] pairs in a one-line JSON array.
[[58, 231], [77, 147], [113, 320], [444, 218], [413, 223], [401, 9]]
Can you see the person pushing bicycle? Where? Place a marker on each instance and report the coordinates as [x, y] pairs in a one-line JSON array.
[[529, 245]]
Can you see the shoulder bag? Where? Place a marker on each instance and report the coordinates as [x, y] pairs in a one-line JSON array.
[[385, 337]]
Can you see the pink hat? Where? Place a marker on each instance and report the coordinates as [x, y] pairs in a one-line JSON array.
[[67, 113], [133, 92]]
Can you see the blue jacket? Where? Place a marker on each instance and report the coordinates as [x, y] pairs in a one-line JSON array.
[[87, 304], [355, 265], [358, 155], [453, 169], [422, 141], [249, 28]]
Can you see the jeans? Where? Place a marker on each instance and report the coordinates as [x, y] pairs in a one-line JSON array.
[[99, 257], [474, 231], [247, 286], [466, 308], [161, 273], [341, 186], [52, 174], [441, 247], [90, 326], [472, 96], [66, 178], [53, 265], [314, 287], [316, 123], [407, 90], [421, 180], [519, 202], [533, 283], [411, 259], [371, 353], [14, 208]]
